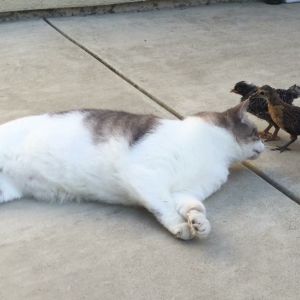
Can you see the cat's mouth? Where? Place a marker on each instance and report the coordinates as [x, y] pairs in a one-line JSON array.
[[255, 155]]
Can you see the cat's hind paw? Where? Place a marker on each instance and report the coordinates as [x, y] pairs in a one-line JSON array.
[[198, 223], [183, 231]]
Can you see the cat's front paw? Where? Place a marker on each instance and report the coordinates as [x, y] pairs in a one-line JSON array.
[[183, 231], [198, 223]]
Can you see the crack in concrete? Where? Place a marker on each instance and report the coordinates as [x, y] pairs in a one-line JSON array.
[[118, 73], [272, 182]]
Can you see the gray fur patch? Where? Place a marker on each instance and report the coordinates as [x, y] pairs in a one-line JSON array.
[[106, 123], [242, 129]]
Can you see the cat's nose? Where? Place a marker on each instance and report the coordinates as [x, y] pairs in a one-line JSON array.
[[257, 151]]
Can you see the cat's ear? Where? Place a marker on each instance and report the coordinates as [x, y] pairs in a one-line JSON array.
[[238, 111], [243, 107]]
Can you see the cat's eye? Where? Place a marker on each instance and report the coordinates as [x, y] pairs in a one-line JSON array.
[[254, 132]]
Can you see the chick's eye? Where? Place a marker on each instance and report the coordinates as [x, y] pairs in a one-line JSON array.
[[262, 93]]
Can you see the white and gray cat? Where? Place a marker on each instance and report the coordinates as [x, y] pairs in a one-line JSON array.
[[167, 166]]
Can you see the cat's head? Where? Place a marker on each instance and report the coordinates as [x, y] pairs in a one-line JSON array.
[[247, 143], [244, 131]]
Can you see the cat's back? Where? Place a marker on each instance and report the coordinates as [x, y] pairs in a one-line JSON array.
[[97, 125], [39, 129], [82, 150]]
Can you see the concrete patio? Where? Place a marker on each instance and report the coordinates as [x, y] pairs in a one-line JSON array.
[[171, 63]]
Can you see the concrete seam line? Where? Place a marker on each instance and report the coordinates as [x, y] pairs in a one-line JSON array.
[[118, 73], [272, 182], [249, 166]]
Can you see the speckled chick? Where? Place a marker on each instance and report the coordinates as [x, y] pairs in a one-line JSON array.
[[286, 116], [259, 107]]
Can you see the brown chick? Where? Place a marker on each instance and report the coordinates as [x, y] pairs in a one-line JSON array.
[[285, 116]]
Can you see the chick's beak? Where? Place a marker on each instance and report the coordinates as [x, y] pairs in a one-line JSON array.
[[233, 91]]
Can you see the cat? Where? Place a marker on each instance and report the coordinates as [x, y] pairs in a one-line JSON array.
[[167, 166]]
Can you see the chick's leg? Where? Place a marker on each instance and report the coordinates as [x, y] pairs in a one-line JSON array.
[[274, 136], [265, 133], [285, 146]]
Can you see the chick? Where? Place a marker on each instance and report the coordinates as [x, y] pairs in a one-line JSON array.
[[286, 116], [245, 89], [259, 107]]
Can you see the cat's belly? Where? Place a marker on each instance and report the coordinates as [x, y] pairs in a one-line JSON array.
[[48, 163], [204, 186], [53, 180]]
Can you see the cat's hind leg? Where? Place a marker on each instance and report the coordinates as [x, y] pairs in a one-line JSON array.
[[161, 205], [193, 210], [8, 190], [172, 221]]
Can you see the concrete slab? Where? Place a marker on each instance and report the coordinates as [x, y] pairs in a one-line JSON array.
[[191, 58], [41, 71], [94, 251]]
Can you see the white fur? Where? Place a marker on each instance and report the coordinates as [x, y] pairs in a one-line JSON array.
[[169, 171]]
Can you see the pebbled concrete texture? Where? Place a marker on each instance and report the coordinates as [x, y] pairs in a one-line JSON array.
[[95, 251], [190, 59], [41, 71], [20, 5]]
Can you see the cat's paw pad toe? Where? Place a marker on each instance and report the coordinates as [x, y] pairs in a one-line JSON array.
[[199, 224], [183, 232]]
